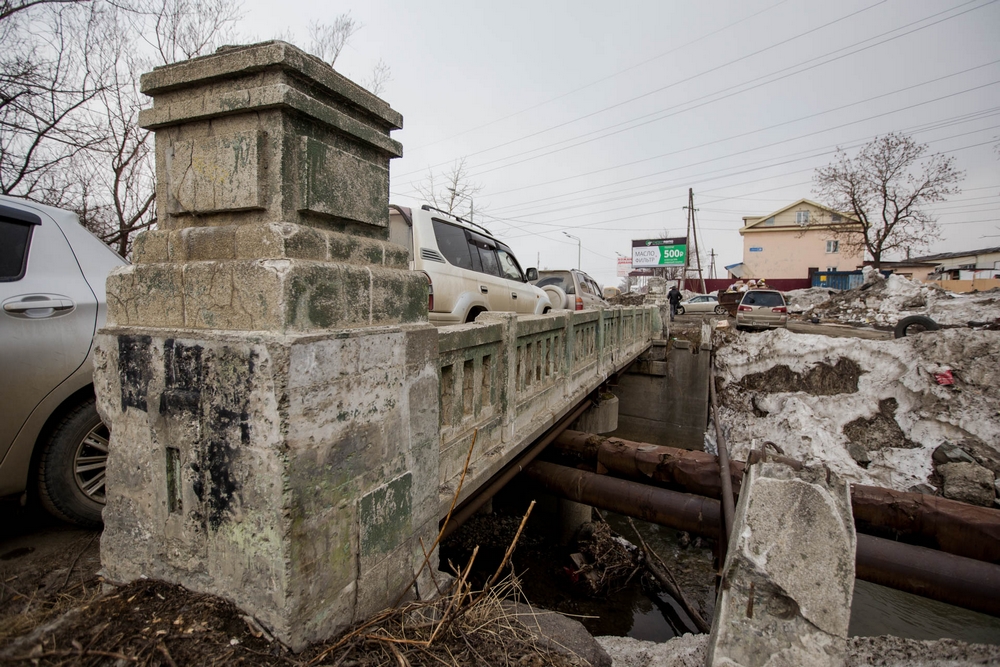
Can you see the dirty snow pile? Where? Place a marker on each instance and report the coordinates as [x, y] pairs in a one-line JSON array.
[[871, 410], [805, 300], [885, 301]]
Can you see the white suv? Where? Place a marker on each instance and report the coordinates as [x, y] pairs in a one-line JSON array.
[[468, 271]]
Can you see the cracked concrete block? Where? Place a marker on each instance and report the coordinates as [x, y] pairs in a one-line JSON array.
[[968, 482], [209, 243], [217, 173], [244, 296], [280, 240], [150, 247], [149, 294], [789, 573]]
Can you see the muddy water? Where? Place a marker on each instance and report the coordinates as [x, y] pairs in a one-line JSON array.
[[541, 566]]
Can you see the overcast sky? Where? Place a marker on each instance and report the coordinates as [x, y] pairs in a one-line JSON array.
[[594, 120]]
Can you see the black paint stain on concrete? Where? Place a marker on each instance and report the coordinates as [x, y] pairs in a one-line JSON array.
[[183, 377], [226, 428], [134, 370]]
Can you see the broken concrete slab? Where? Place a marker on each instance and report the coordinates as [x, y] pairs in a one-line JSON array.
[[950, 453], [968, 482], [789, 574]]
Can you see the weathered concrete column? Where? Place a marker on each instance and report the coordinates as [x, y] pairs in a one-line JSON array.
[[788, 580], [267, 371]]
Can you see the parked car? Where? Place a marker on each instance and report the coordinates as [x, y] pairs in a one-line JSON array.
[[611, 292], [701, 303], [571, 289], [52, 441], [762, 309], [468, 270]]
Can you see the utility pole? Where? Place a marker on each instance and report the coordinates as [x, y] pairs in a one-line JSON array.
[[711, 270], [692, 236]]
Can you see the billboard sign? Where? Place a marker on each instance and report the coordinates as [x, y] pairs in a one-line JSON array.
[[624, 266], [659, 252]]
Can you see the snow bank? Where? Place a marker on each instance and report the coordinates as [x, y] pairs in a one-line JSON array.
[[810, 426], [886, 301]]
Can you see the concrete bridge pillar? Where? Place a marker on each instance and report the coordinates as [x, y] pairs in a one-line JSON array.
[[267, 371]]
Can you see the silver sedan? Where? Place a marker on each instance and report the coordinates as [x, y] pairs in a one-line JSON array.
[[702, 303]]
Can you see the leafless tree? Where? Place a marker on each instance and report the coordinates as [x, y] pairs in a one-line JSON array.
[[886, 187], [8, 8], [328, 40], [453, 191], [69, 101], [182, 29], [53, 64], [380, 75]]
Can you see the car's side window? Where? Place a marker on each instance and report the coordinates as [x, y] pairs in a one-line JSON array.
[[487, 256], [584, 287], [15, 237], [509, 266], [452, 243]]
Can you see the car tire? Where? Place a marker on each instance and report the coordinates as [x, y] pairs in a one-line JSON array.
[[721, 310], [557, 296], [680, 310], [917, 323], [72, 466], [473, 314]]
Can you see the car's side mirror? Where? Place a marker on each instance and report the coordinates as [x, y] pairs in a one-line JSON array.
[[532, 274]]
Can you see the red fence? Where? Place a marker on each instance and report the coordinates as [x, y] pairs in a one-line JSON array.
[[782, 284]]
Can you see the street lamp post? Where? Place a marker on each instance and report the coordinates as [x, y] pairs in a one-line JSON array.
[[579, 248]]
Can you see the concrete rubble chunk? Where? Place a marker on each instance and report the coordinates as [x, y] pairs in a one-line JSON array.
[[968, 482], [948, 453], [789, 574]]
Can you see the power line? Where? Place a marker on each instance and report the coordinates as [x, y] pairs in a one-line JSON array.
[[677, 83], [825, 151], [716, 99], [593, 83], [776, 143]]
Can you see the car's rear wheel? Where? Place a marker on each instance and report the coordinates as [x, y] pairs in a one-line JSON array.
[[71, 471], [721, 310], [473, 314]]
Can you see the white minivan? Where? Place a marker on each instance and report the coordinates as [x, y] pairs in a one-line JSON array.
[[468, 271]]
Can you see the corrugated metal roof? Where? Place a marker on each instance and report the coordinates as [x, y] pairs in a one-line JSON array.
[[952, 255]]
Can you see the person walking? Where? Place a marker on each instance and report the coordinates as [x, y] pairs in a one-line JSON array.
[[674, 297]]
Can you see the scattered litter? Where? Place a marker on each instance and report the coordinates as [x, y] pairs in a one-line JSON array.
[[945, 378]]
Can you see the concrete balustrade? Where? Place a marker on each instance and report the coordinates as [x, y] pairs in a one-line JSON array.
[[285, 425], [511, 378]]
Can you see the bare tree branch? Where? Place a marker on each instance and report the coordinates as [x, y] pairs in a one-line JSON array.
[[380, 75], [327, 41], [457, 193], [886, 187]]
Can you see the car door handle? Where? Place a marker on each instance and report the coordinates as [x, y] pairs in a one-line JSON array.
[[484, 289], [27, 304], [513, 295]]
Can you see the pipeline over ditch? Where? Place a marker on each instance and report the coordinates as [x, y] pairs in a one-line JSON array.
[[949, 577]]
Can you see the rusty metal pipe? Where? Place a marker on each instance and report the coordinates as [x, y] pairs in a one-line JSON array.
[[682, 511], [965, 582], [502, 478], [951, 526], [720, 441]]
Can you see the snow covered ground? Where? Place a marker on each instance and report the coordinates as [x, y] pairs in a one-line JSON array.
[[884, 301], [840, 401]]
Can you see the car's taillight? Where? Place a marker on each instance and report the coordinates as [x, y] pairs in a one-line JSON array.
[[746, 308], [579, 303], [779, 309], [430, 294]]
